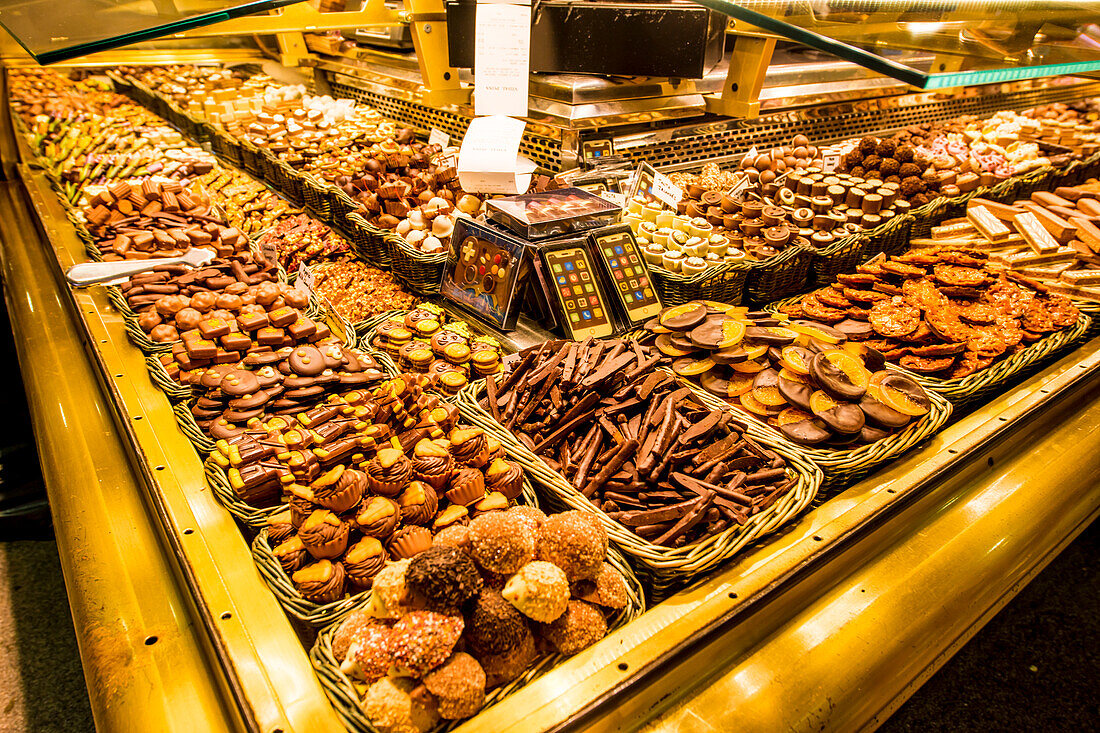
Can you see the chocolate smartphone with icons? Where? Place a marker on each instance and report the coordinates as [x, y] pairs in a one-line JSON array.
[[627, 274], [577, 290]]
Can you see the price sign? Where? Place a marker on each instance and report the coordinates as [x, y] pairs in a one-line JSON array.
[[830, 162], [305, 279], [438, 137], [666, 191], [270, 250]]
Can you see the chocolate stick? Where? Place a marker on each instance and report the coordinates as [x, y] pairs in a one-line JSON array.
[[518, 371], [613, 465], [688, 521], [491, 391], [586, 461]]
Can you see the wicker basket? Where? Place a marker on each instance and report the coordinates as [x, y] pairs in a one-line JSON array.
[[287, 181], [250, 158], [664, 569], [978, 386], [787, 273], [186, 423], [840, 256], [315, 197], [249, 515], [891, 238], [173, 390], [1092, 310], [844, 467], [306, 611], [223, 144], [725, 283], [374, 246], [345, 700]]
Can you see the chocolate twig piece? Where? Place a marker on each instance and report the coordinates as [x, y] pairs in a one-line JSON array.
[[608, 368], [587, 459], [569, 424], [651, 383], [613, 465], [518, 372], [644, 367], [537, 400], [688, 521], [543, 371], [613, 432], [570, 363], [766, 476], [655, 516], [491, 392], [731, 445]]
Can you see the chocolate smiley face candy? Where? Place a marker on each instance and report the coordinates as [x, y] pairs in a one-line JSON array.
[[806, 379]]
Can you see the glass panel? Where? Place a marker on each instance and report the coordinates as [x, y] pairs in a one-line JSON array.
[[970, 41], [56, 30]]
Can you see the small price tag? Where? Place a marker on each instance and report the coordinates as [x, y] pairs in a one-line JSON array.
[[830, 162], [305, 279], [619, 199], [666, 191], [270, 250], [438, 137]]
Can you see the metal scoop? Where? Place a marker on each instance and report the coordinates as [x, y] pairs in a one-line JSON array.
[[94, 273]]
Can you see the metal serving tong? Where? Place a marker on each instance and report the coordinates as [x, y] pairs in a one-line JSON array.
[[95, 273]]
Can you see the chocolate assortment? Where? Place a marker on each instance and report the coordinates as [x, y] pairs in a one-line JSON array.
[[357, 291], [475, 611], [634, 442], [426, 340], [941, 312], [804, 378], [248, 204]]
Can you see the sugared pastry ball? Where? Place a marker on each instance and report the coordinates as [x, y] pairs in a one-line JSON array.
[[422, 640], [370, 655], [493, 625], [533, 516], [608, 589], [398, 705], [341, 640], [540, 591], [501, 542], [459, 686], [575, 542], [388, 593], [500, 669], [444, 577], [455, 535], [581, 626]]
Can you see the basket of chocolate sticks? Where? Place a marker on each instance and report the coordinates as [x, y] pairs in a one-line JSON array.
[[679, 486]]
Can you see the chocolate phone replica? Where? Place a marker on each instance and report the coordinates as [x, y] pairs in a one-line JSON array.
[[577, 290], [486, 272], [627, 275]]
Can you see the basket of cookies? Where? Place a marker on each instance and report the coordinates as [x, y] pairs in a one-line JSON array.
[[679, 486], [473, 619], [950, 317], [805, 382]]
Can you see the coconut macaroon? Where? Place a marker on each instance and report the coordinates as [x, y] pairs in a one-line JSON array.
[[493, 625], [540, 591], [501, 542], [400, 706], [369, 656], [581, 626], [422, 640], [500, 669], [389, 594], [608, 589], [342, 639], [575, 542], [444, 578], [459, 686]]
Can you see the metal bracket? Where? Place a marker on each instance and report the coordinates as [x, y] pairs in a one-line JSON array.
[[749, 61]]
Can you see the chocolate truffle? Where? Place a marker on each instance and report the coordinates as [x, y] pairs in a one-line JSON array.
[[395, 705], [608, 589], [339, 488], [444, 578], [493, 625], [469, 446], [389, 472], [422, 640], [369, 655], [409, 542], [459, 686], [364, 560], [324, 535], [389, 595], [291, 554], [501, 542], [504, 476], [418, 503], [500, 669], [539, 590], [321, 582], [579, 627], [280, 528], [352, 624], [432, 463], [467, 486], [378, 517], [575, 542]]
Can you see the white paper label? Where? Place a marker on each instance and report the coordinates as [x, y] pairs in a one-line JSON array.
[[305, 279], [502, 57], [489, 160], [666, 191], [830, 162], [438, 137], [619, 199]]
